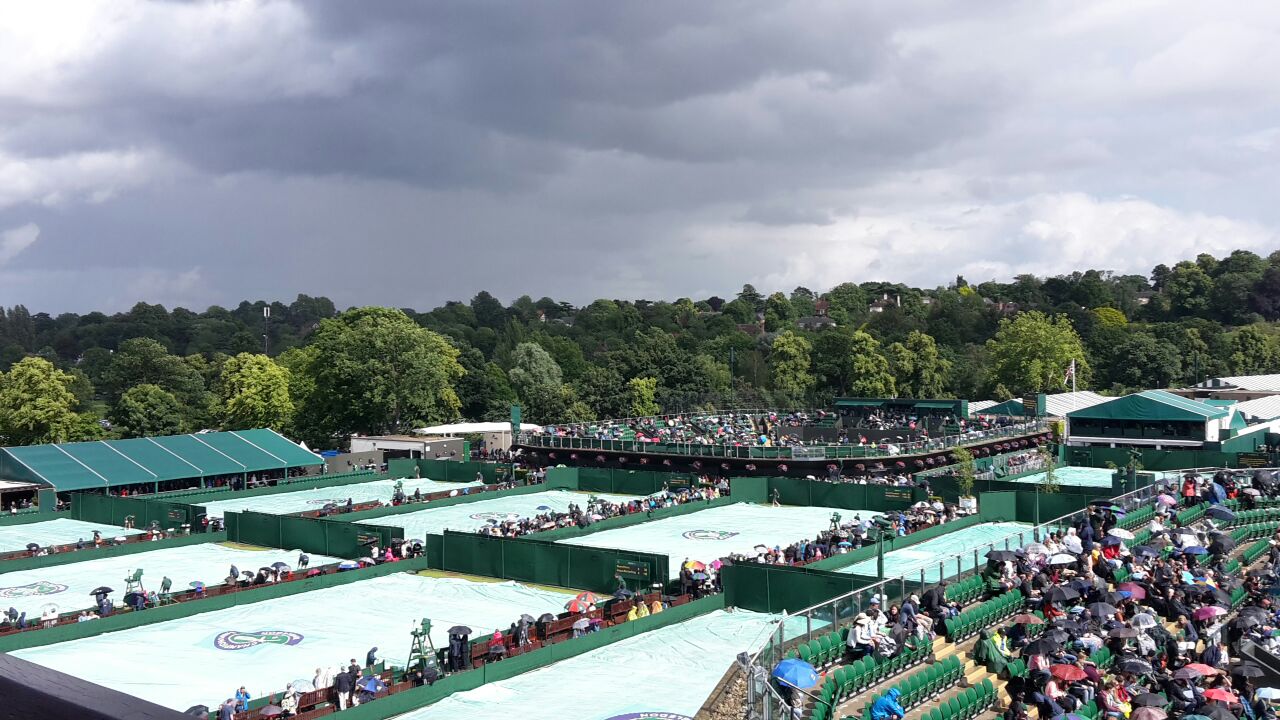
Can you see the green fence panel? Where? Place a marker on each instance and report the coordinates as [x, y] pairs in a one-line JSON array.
[[750, 489], [32, 563], [562, 478], [310, 482]]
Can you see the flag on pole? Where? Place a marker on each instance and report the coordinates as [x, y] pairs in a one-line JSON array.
[[1071, 374]]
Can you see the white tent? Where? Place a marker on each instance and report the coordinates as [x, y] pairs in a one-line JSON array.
[[477, 427]]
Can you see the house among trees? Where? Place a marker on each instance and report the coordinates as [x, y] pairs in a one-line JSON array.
[[819, 319]]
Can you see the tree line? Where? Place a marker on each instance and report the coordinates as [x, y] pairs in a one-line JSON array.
[[377, 370]]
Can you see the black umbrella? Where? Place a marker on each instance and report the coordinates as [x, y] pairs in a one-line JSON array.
[[1253, 610], [1146, 699], [278, 565], [1058, 636], [199, 711], [1144, 550], [1219, 712], [1247, 621], [546, 617], [527, 618], [1001, 555], [1068, 624], [33, 546], [1060, 593], [101, 590], [1101, 610], [1112, 598], [1041, 646], [1222, 545], [1186, 673], [459, 630], [1248, 671], [135, 600]]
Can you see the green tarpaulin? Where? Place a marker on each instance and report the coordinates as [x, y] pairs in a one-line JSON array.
[[1150, 405]]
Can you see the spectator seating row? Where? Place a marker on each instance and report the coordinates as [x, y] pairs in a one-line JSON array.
[[967, 590], [969, 622], [1255, 551], [920, 686], [968, 705]]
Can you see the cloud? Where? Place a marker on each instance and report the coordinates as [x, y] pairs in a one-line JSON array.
[[16, 240], [411, 153]]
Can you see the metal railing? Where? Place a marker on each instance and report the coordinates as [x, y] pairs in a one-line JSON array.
[[764, 702], [784, 452]]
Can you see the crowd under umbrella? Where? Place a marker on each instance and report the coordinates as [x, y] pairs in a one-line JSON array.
[[1148, 713]]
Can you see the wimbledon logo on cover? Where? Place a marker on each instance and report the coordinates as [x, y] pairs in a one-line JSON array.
[[240, 640]]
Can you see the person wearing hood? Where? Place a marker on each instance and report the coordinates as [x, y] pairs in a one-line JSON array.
[[371, 658], [888, 707], [987, 653]]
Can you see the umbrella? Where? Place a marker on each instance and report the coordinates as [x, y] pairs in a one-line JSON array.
[[1194, 550], [1209, 611], [1026, 619], [1255, 492], [1042, 646], [1001, 555], [1135, 590], [374, 685], [1194, 717], [1063, 559], [577, 606], [544, 508], [348, 565], [278, 565], [581, 623], [1123, 632], [1220, 695], [1202, 668], [200, 711], [527, 618], [459, 630], [1073, 544], [1060, 593], [1068, 673], [196, 585], [1220, 712], [1120, 533], [1111, 541], [302, 685], [587, 597], [1146, 550], [546, 618], [271, 711], [1143, 621], [1224, 544], [699, 576], [1166, 500], [1247, 671], [1149, 713], [33, 546], [1150, 700], [1186, 673], [1218, 512], [1134, 665], [1268, 693], [796, 673], [101, 590], [844, 544], [1036, 549], [1101, 610]]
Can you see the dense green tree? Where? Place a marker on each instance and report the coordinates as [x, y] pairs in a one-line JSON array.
[[1188, 287], [484, 390], [1032, 352], [1144, 362], [642, 394], [1253, 352], [848, 303], [254, 393], [376, 371], [919, 370], [789, 362], [850, 363], [148, 410], [37, 405]]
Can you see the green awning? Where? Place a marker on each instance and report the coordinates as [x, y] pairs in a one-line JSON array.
[[1151, 405], [937, 404], [1013, 408], [859, 403]]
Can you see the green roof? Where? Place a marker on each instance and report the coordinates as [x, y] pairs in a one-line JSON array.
[[1008, 407], [937, 404], [859, 403], [1155, 405], [109, 463]]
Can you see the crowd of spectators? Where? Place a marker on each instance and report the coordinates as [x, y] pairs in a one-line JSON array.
[[598, 509], [846, 536]]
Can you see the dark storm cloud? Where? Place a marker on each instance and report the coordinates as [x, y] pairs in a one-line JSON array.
[[405, 153]]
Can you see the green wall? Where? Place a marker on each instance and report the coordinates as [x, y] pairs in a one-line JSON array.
[[849, 496], [630, 482], [112, 510], [127, 620], [532, 560], [314, 535], [448, 470], [373, 514], [32, 563], [1152, 460]]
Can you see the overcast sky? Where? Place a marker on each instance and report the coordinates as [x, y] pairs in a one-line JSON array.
[[406, 153]]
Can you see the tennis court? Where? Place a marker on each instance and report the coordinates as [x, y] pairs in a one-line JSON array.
[[665, 674], [68, 586], [470, 517], [1071, 475], [202, 659], [942, 550], [304, 500], [714, 533], [63, 531]]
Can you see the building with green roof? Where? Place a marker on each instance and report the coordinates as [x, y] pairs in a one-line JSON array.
[[1160, 419], [144, 463]]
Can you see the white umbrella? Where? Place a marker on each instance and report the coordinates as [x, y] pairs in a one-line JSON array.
[[1062, 559], [1072, 544], [1268, 693], [1036, 549], [1142, 621], [1120, 533]]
